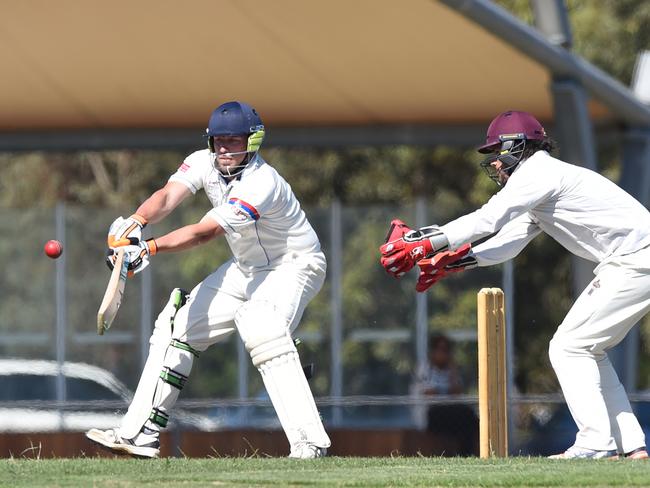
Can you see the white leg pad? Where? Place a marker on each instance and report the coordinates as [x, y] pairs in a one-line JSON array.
[[266, 337], [141, 405], [175, 372]]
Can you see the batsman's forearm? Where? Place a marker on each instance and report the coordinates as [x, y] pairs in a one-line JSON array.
[[156, 207], [187, 237]]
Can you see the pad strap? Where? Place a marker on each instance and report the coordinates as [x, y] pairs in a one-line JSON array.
[[185, 347], [159, 417], [173, 378]]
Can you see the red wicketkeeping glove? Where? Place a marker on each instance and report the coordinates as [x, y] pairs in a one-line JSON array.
[[439, 266], [403, 248]]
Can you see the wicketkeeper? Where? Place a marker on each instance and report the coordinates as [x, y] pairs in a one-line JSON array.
[[276, 269], [592, 218]]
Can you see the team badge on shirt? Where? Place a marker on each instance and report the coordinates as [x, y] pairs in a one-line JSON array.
[[246, 208]]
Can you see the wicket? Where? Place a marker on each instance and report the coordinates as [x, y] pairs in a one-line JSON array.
[[493, 415]]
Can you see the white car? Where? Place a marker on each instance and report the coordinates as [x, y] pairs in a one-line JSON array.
[[95, 398]]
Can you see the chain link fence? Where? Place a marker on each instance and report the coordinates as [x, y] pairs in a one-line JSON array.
[[366, 334]]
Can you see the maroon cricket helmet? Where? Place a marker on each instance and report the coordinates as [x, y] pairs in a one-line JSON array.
[[511, 125]]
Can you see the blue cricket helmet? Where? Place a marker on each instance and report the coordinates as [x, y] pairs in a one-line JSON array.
[[236, 118]]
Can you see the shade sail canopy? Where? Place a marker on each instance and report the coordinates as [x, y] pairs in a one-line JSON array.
[[74, 64]]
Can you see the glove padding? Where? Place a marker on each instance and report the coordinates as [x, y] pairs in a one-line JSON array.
[[443, 263], [137, 255], [405, 246], [126, 232]]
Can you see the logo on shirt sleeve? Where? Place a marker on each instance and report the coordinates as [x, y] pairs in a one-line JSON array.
[[245, 207], [184, 167]]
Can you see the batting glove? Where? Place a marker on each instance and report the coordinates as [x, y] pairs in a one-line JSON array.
[[442, 264], [125, 232], [136, 255]]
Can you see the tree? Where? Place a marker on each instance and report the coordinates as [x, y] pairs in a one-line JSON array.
[[374, 184]]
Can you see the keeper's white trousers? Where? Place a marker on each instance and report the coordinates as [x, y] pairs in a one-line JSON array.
[[615, 300]]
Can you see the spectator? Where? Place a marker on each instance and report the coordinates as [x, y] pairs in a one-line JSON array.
[[441, 376]]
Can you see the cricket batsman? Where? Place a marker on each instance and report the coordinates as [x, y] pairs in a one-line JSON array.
[[592, 218], [277, 267]]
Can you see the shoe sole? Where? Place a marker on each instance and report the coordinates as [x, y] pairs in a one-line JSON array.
[[118, 448], [321, 453], [638, 455], [562, 456]]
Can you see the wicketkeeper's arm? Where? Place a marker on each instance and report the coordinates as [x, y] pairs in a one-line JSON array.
[[508, 242]]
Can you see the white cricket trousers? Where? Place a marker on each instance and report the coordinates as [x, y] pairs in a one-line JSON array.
[[615, 300], [208, 317]]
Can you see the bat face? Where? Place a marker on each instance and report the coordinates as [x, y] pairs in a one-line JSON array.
[[113, 295]]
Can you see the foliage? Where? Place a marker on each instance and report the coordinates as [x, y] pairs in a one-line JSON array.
[[373, 183], [608, 33]]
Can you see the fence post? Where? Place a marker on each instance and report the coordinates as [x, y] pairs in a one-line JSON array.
[[509, 310], [61, 307], [336, 333], [243, 360], [421, 325], [146, 305]]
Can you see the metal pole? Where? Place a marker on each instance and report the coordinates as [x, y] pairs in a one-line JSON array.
[[242, 370], [336, 278], [146, 299], [61, 319], [635, 179], [552, 20], [509, 306], [421, 324], [573, 130], [243, 360], [421, 312]]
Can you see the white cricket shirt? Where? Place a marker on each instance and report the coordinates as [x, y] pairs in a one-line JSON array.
[[582, 210], [264, 223]]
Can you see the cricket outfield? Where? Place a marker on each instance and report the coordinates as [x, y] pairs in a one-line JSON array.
[[332, 471]]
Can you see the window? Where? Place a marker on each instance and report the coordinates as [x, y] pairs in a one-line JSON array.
[[82, 389], [27, 387]]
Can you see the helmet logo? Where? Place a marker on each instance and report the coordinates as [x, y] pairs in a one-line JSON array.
[[507, 137]]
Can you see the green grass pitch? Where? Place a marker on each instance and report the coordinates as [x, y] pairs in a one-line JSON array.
[[333, 471]]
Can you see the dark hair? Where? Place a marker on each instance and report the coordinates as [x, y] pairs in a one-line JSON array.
[[547, 144], [436, 339]]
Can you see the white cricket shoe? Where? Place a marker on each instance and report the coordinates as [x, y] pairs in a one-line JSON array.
[[142, 446], [304, 450], [575, 452]]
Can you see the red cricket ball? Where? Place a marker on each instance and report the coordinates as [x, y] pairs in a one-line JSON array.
[[53, 248]]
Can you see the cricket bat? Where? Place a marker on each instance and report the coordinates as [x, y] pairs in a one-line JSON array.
[[113, 295]]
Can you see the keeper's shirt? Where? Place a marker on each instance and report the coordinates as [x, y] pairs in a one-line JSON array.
[[264, 223], [582, 210]]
